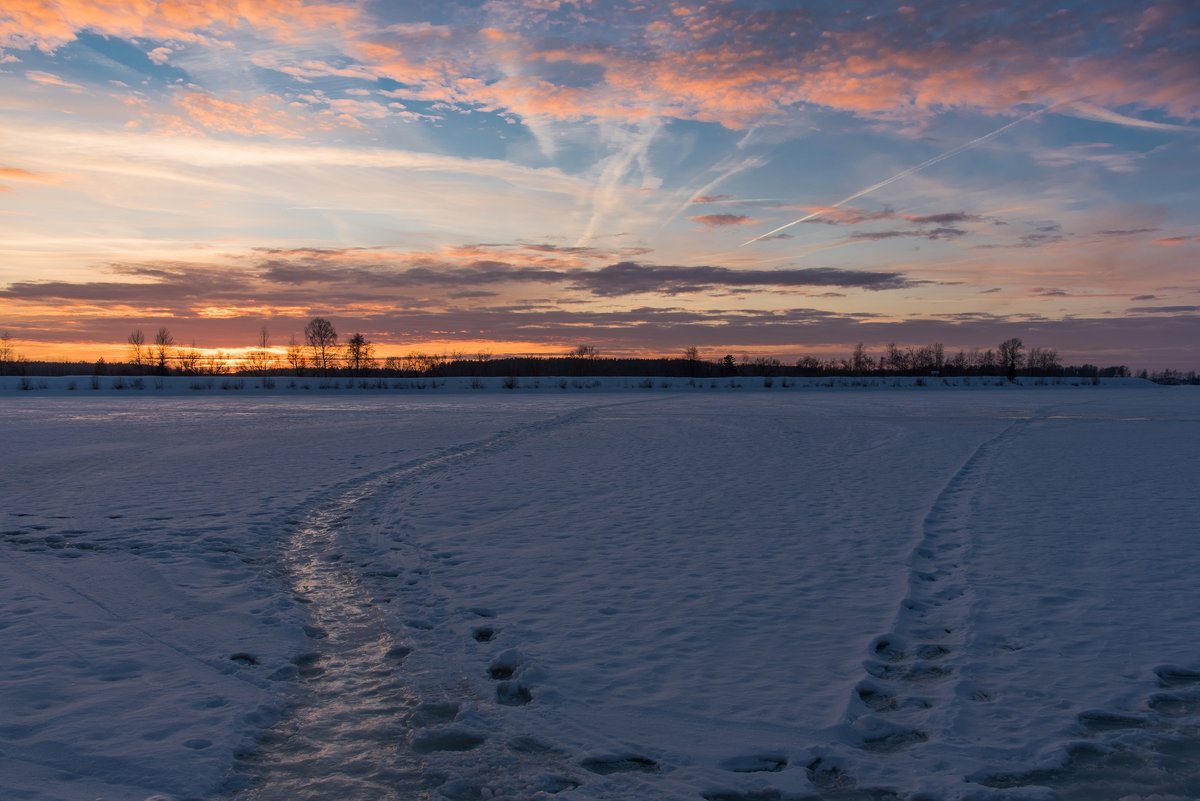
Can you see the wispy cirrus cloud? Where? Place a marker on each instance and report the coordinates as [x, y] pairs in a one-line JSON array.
[[50, 79]]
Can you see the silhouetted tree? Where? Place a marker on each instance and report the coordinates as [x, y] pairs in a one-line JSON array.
[[321, 337], [358, 354], [163, 342], [137, 348], [295, 356], [258, 360], [189, 360], [692, 355], [1011, 357], [6, 352]]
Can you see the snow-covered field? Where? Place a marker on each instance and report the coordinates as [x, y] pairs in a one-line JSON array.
[[613, 592]]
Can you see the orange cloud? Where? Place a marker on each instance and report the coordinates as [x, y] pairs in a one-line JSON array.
[[18, 174], [259, 117], [723, 220], [50, 79], [49, 24], [712, 62]]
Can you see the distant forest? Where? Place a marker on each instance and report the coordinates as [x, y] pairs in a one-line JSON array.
[[321, 354]]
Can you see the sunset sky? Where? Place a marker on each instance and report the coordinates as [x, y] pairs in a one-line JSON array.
[[510, 176]]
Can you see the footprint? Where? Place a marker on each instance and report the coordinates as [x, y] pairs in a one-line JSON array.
[[917, 674], [435, 714], [825, 775], [889, 648], [756, 763], [446, 740], [631, 763], [931, 651], [1172, 676], [513, 693], [483, 634], [894, 741], [309, 665], [506, 664], [1098, 720], [1174, 705], [398, 653], [875, 699], [770, 794], [243, 658]]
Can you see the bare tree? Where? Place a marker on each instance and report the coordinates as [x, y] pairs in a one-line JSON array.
[[189, 360], [137, 348], [692, 355], [359, 354], [216, 363], [258, 360], [860, 360], [321, 337], [6, 352], [295, 356], [1043, 361], [1011, 357], [163, 342], [897, 360]]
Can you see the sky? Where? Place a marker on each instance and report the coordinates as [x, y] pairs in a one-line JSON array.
[[748, 177]]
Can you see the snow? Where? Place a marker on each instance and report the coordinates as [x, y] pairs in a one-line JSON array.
[[600, 591]]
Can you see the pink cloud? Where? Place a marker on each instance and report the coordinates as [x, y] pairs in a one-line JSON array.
[[714, 62], [723, 220], [50, 79]]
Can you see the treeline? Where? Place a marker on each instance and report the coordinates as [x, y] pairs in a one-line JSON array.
[[321, 354]]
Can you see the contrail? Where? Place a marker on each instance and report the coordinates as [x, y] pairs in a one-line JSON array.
[[904, 174]]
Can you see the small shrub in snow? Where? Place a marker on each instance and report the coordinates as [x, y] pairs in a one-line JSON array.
[[138, 383], [510, 382], [768, 382], [268, 383], [665, 385], [118, 383], [477, 384], [646, 384], [562, 383], [71, 386], [95, 382]]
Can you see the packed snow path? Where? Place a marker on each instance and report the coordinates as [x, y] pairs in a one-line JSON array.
[[356, 729], [704, 596]]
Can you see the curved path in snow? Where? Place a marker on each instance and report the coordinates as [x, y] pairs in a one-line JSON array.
[[353, 730]]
